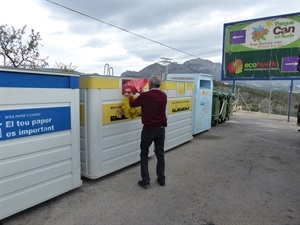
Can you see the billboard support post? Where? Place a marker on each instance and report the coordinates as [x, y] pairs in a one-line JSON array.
[[233, 86], [290, 101], [270, 102]]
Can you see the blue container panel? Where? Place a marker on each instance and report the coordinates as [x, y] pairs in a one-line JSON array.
[[17, 79]]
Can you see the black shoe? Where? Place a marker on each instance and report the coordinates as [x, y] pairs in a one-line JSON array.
[[143, 184], [161, 183]]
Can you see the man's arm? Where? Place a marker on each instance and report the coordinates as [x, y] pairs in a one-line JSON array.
[[135, 102]]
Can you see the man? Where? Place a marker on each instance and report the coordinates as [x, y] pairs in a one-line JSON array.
[[153, 104]]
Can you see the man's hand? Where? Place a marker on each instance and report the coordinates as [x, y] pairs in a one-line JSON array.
[[129, 94]]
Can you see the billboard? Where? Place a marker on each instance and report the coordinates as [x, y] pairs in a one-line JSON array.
[[262, 49]]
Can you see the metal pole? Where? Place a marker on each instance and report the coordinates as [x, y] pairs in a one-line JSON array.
[[270, 99], [233, 86], [290, 101], [165, 61]]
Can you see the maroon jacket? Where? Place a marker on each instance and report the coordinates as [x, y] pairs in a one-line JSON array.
[[153, 105]]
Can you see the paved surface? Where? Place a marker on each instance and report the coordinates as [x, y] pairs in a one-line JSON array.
[[245, 171]]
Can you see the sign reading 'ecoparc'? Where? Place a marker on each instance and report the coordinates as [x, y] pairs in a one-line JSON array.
[[262, 49]]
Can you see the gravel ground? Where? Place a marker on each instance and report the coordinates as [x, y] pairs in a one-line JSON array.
[[245, 171]]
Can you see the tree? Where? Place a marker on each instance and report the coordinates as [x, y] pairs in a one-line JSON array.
[[18, 51], [66, 68], [264, 105]]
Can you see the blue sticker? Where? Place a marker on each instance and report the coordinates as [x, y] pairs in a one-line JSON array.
[[28, 122], [17, 79]]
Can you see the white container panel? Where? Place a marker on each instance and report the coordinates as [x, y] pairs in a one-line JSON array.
[[180, 116], [117, 164], [37, 194], [121, 139], [31, 162], [25, 98], [39, 138], [177, 133], [123, 127], [34, 177], [179, 113], [113, 152], [11, 149], [178, 125], [173, 134], [172, 143]]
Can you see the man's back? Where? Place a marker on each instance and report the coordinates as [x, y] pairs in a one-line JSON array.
[[153, 105]]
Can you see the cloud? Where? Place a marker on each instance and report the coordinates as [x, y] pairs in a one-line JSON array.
[[95, 43], [131, 34]]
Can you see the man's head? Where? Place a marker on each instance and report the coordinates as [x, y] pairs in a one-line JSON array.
[[154, 81]]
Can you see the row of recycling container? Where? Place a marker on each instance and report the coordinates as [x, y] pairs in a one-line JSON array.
[[55, 128], [222, 107]]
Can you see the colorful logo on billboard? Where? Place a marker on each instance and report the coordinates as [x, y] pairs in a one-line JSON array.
[[235, 67], [259, 33]]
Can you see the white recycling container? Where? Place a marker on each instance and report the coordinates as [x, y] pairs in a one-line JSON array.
[[39, 137], [179, 112], [108, 140], [202, 98]]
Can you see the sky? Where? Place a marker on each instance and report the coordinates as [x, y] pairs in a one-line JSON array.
[[132, 34]]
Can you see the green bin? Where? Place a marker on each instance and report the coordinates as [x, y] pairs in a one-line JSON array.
[[215, 108], [229, 108], [223, 107]]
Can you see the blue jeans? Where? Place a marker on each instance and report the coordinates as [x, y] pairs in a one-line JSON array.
[[156, 135]]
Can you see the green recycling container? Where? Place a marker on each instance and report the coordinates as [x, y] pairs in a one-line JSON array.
[[229, 108], [215, 108], [223, 107]]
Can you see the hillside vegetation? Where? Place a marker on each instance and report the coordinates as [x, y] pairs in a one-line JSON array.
[[258, 100]]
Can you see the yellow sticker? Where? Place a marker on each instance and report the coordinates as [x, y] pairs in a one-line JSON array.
[[179, 105], [180, 88], [205, 92], [112, 113]]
